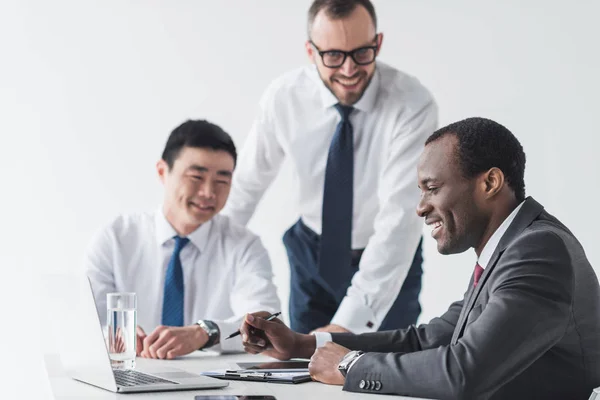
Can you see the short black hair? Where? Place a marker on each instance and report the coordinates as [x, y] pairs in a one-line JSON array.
[[484, 144], [337, 9], [200, 134]]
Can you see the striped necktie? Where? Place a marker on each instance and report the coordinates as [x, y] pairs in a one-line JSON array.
[[172, 312]]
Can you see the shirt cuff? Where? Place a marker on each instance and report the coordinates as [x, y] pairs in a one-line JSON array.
[[355, 316], [322, 338]]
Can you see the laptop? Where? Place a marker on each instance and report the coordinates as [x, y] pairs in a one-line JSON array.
[[84, 354]]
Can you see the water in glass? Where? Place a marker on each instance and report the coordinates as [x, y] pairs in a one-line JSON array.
[[121, 335]]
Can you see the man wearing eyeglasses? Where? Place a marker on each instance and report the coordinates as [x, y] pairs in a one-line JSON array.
[[353, 128]]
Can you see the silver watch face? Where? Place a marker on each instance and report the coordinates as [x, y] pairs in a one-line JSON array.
[[342, 365], [347, 361], [204, 326], [350, 355], [212, 330]]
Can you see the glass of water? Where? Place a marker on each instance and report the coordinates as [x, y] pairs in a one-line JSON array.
[[121, 324]]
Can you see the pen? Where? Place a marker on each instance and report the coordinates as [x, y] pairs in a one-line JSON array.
[[248, 374], [270, 318]]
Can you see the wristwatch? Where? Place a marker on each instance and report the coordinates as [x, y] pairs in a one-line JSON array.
[[213, 332], [348, 360]]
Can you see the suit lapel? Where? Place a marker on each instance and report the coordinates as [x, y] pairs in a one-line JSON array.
[[527, 214]]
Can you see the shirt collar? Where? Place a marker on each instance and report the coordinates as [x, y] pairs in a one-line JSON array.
[[490, 246], [165, 232], [366, 102]]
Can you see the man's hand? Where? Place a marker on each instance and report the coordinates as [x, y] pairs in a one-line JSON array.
[[332, 328], [168, 342], [323, 366], [274, 339], [140, 336]]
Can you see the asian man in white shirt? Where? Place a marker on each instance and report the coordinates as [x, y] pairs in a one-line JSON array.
[[195, 272]]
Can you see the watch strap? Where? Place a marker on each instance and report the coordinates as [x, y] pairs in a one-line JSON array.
[[213, 332]]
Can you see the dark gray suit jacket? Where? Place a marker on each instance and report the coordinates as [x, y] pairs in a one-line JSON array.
[[529, 330]]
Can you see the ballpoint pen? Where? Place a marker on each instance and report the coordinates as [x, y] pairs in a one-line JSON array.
[[270, 318], [244, 374]]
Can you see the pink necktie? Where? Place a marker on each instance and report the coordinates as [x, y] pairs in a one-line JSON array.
[[477, 274]]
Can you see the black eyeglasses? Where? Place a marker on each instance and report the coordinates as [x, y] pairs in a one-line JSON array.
[[337, 58]]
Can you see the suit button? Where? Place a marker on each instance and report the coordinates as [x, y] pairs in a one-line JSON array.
[[367, 385], [362, 384], [377, 385]]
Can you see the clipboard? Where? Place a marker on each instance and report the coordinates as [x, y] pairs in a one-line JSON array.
[[269, 377]]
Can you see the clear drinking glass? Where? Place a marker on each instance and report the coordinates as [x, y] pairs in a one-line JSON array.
[[121, 323]]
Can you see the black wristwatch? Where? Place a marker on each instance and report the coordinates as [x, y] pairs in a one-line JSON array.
[[213, 332], [348, 360]]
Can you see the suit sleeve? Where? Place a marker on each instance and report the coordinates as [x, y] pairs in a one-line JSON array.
[[527, 313], [437, 332]]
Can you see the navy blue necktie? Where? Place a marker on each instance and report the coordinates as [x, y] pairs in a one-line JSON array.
[[172, 312], [336, 233]]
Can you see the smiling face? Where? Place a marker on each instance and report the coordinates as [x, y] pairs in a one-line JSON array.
[[349, 81], [196, 187], [450, 203]]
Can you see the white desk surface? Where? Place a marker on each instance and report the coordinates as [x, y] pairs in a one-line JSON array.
[[63, 387]]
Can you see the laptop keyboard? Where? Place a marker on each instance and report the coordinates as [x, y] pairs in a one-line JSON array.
[[129, 377]]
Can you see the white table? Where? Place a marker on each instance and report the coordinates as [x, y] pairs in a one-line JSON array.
[[63, 387]]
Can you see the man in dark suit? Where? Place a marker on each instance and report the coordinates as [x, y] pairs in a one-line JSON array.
[[528, 326]]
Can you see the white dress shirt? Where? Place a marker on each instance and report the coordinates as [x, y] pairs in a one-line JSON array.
[[226, 271], [391, 123], [492, 243], [483, 260]]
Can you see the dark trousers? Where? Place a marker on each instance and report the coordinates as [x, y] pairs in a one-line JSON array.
[[313, 302]]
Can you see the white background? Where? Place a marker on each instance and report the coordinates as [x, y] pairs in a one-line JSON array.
[[89, 91]]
